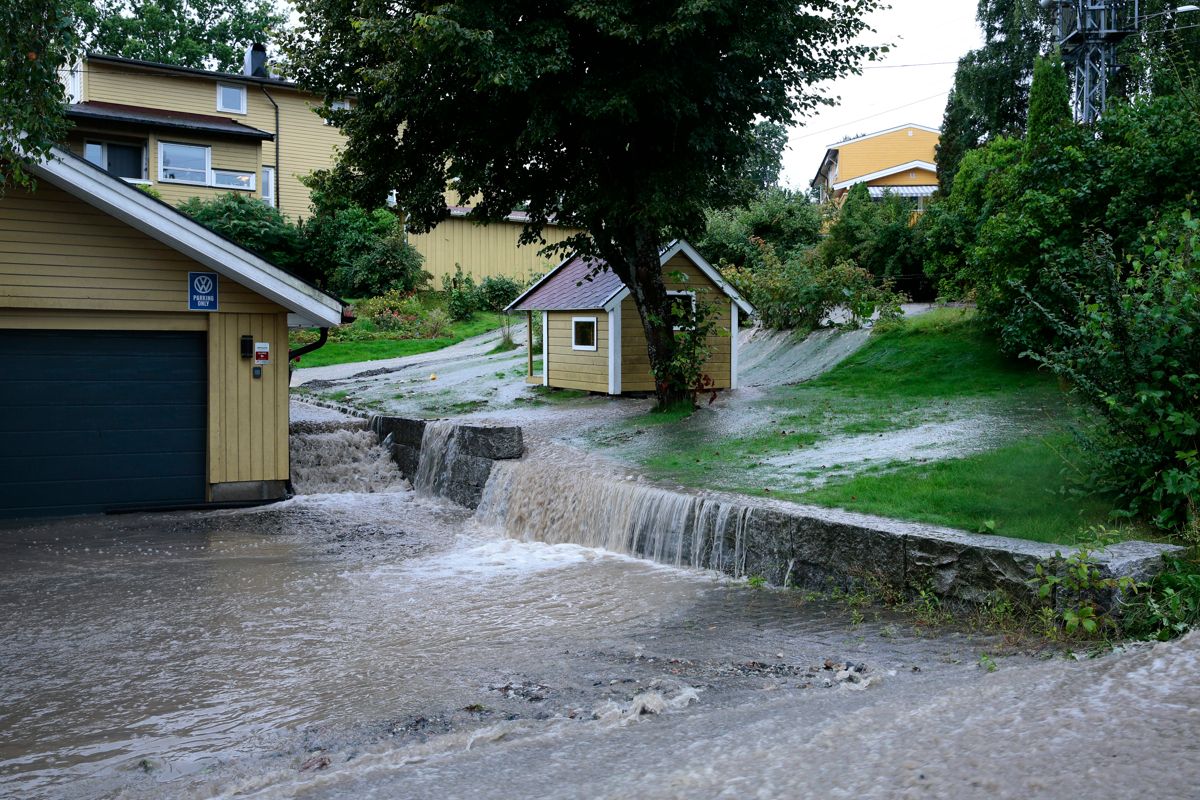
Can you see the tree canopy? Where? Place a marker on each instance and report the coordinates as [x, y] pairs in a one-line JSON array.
[[626, 119], [205, 34], [37, 38]]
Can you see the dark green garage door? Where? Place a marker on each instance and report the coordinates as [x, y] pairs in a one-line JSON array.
[[99, 420]]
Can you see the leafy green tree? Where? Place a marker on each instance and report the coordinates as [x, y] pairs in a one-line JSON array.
[[360, 253], [762, 167], [37, 38], [627, 120], [789, 221], [991, 85], [1049, 105], [207, 34]]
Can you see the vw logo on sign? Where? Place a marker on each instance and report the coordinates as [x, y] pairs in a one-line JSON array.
[[202, 291]]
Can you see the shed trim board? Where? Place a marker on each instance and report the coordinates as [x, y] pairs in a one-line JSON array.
[[883, 173], [545, 348], [733, 346], [135, 208], [614, 350]]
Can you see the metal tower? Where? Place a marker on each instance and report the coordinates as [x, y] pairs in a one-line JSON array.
[[1088, 34]]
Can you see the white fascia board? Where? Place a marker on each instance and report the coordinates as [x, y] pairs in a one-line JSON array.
[[540, 281], [866, 136], [682, 246], [883, 173], [176, 230], [615, 299]]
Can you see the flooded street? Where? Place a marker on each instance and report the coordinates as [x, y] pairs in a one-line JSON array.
[[377, 643]]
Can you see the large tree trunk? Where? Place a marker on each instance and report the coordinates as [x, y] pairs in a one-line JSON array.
[[636, 261]]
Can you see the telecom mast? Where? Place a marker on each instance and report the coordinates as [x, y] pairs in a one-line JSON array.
[[1088, 34]]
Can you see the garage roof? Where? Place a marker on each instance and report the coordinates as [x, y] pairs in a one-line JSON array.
[[309, 306]]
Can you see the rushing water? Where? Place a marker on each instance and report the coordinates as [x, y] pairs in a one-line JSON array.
[[385, 644]]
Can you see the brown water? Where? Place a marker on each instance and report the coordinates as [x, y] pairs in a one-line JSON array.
[[384, 644]]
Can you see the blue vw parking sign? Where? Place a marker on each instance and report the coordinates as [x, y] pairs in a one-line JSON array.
[[202, 291]]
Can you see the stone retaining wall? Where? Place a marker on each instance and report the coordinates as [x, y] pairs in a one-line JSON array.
[[459, 473]]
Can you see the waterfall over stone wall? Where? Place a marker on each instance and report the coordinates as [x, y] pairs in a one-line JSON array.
[[554, 502]]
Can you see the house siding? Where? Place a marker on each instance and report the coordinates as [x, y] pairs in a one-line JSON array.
[[305, 142], [484, 250], [65, 265], [910, 177], [576, 369], [886, 150]]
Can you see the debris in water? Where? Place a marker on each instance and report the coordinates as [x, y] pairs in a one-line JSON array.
[[317, 762]]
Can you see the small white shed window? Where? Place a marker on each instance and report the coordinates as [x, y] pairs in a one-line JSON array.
[[583, 333], [231, 98], [683, 305], [183, 163]]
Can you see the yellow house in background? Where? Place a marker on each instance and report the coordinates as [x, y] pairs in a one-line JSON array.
[[197, 133], [898, 160]]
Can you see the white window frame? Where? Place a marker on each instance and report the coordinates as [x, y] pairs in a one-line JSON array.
[[595, 333], [268, 185], [207, 164], [338, 105], [104, 143], [213, 173], [684, 293], [241, 90]]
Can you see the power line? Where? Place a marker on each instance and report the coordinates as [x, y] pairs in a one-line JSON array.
[[872, 116], [910, 66]]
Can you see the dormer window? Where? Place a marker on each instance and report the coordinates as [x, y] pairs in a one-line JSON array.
[[231, 98]]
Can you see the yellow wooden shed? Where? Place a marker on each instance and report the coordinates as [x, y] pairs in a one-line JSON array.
[[592, 335], [143, 357]]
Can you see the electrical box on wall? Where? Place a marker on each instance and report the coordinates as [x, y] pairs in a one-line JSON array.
[[247, 347]]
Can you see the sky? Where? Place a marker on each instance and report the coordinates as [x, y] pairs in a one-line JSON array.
[[889, 93]]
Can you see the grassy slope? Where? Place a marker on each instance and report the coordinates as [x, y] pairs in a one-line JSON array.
[[347, 352], [924, 371]]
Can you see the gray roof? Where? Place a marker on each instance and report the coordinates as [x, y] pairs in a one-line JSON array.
[[162, 118], [572, 286]]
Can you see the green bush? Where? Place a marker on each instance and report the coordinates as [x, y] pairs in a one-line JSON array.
[[788, 221], [1129, 348], [252, 224], [393, 301], [363, 253], [462, 298], [803, 293], [436, 325], [1169, 606], [497, 291]]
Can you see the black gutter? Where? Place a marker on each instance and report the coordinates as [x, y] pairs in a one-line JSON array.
[[278, 199], [308, 348]]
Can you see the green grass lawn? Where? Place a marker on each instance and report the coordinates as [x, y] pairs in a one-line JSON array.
[[372, 350], [930, 369]]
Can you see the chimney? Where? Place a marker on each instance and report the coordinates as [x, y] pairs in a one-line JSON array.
[[255, 65]]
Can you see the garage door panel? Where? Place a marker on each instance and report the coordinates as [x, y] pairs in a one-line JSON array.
[[106, 393], [94, 420], [71, 443], [135, 368], [76, 418], [37, 500]]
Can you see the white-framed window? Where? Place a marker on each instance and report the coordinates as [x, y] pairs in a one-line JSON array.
[[231, 98], [686, 301], [233, 179], [268, 186], [184, 163], [338, 105], [123, 159], [583, 333]]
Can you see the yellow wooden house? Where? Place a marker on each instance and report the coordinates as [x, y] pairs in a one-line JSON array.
[[592, 336], [196, 133], [898, 161], [143, 358]]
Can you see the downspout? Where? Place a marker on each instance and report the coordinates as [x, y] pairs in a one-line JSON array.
[[308, 348], [278, 199]]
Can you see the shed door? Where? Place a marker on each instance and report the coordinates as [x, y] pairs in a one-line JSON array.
[[99, 420]]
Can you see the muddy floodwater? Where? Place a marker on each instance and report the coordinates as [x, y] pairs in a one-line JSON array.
[[377, 643]]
